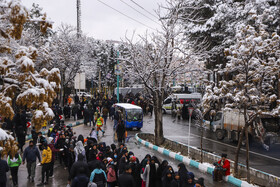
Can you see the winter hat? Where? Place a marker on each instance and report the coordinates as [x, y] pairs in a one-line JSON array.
[[200, 181], [133, 159], [50, 140], [224, 155], [109, 159]]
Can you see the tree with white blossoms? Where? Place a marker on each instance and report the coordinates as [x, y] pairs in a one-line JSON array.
[[21, 85], [254, 61]]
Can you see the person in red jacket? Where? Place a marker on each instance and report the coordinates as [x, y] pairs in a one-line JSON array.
[[222, 168]]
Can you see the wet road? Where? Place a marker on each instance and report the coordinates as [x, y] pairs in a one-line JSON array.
[[174, 129], [61, 175]]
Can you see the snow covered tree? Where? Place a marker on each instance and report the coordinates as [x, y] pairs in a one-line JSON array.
[[253, 62], [213, 24], [153, 59], [67, 54], [21, 85]]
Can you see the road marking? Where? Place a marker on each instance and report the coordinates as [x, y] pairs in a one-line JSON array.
[[269, 157]]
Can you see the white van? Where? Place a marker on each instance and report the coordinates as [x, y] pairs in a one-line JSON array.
[[180, 99]]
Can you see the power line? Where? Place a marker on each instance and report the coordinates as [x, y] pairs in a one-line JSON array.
[[144, 9], [139, 12], [126, 15]]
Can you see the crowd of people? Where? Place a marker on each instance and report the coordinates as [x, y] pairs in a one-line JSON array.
[[90, 163], [95, 164]]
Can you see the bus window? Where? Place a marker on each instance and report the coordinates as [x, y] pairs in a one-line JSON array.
[[134, 115], [167, 101]]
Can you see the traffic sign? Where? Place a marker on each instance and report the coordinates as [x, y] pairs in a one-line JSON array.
[[190, 111]]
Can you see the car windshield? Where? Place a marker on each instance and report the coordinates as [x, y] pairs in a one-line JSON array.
[[134, 114]]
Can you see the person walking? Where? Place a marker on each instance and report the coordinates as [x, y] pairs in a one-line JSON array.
[[30, 154], [120, 130], [99, 124], [14, 161], [46, 162], [105, 112], [4, 168]]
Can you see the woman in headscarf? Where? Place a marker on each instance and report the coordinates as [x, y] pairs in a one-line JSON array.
[[150, 174], [79, 149], [176, 182], [160, 170], [167, 179], [183, 173], [190, 180]]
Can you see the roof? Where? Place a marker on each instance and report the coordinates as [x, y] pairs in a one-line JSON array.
[[128, 106]]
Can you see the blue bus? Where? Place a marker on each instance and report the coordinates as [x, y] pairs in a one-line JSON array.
[[131, 114]]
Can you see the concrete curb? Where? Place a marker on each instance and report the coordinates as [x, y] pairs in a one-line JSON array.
[[202, 167], [29, 137]]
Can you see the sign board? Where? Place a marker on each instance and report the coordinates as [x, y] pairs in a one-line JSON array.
[[80, 81], [118, 69], [190, 111]]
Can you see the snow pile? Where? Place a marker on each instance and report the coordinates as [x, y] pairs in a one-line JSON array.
[[4, 135]]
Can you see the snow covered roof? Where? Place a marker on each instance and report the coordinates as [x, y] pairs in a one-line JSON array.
[[127, 106]]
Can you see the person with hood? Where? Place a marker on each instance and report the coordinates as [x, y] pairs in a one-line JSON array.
[[183, 173], [200, 182], [111, 173], [126, 179], [75, 171], [93, 135], [176, 182], [46, 160], [150, 174], [98, 176], [54, 150], [79, 149], [161, 168], [14, 162], [168, 168], [81, 180], [167, 179], [190, 182], [30, 154]]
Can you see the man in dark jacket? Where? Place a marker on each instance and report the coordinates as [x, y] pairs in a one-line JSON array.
[[4, 168], [74, 172], [30, 154], [81, 180], [126, 179]]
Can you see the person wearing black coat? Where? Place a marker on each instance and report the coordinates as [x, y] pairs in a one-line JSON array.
[[190, 180], [167, 179], [136, 171], [126, 179], [4, 168], [81, 180], [183, 173], [176, 181], [120, 132], [76, 168]]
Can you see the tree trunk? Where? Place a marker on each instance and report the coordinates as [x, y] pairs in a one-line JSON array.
[[159, 139], [238, 151], [247, 154]]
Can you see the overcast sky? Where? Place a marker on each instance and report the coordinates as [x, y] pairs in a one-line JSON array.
[[98, 20]]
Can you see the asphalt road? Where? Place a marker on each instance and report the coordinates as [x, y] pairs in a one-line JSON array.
[[61, 175], [174, 129]]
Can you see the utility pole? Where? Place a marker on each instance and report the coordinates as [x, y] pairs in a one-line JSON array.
[[79, 18]]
